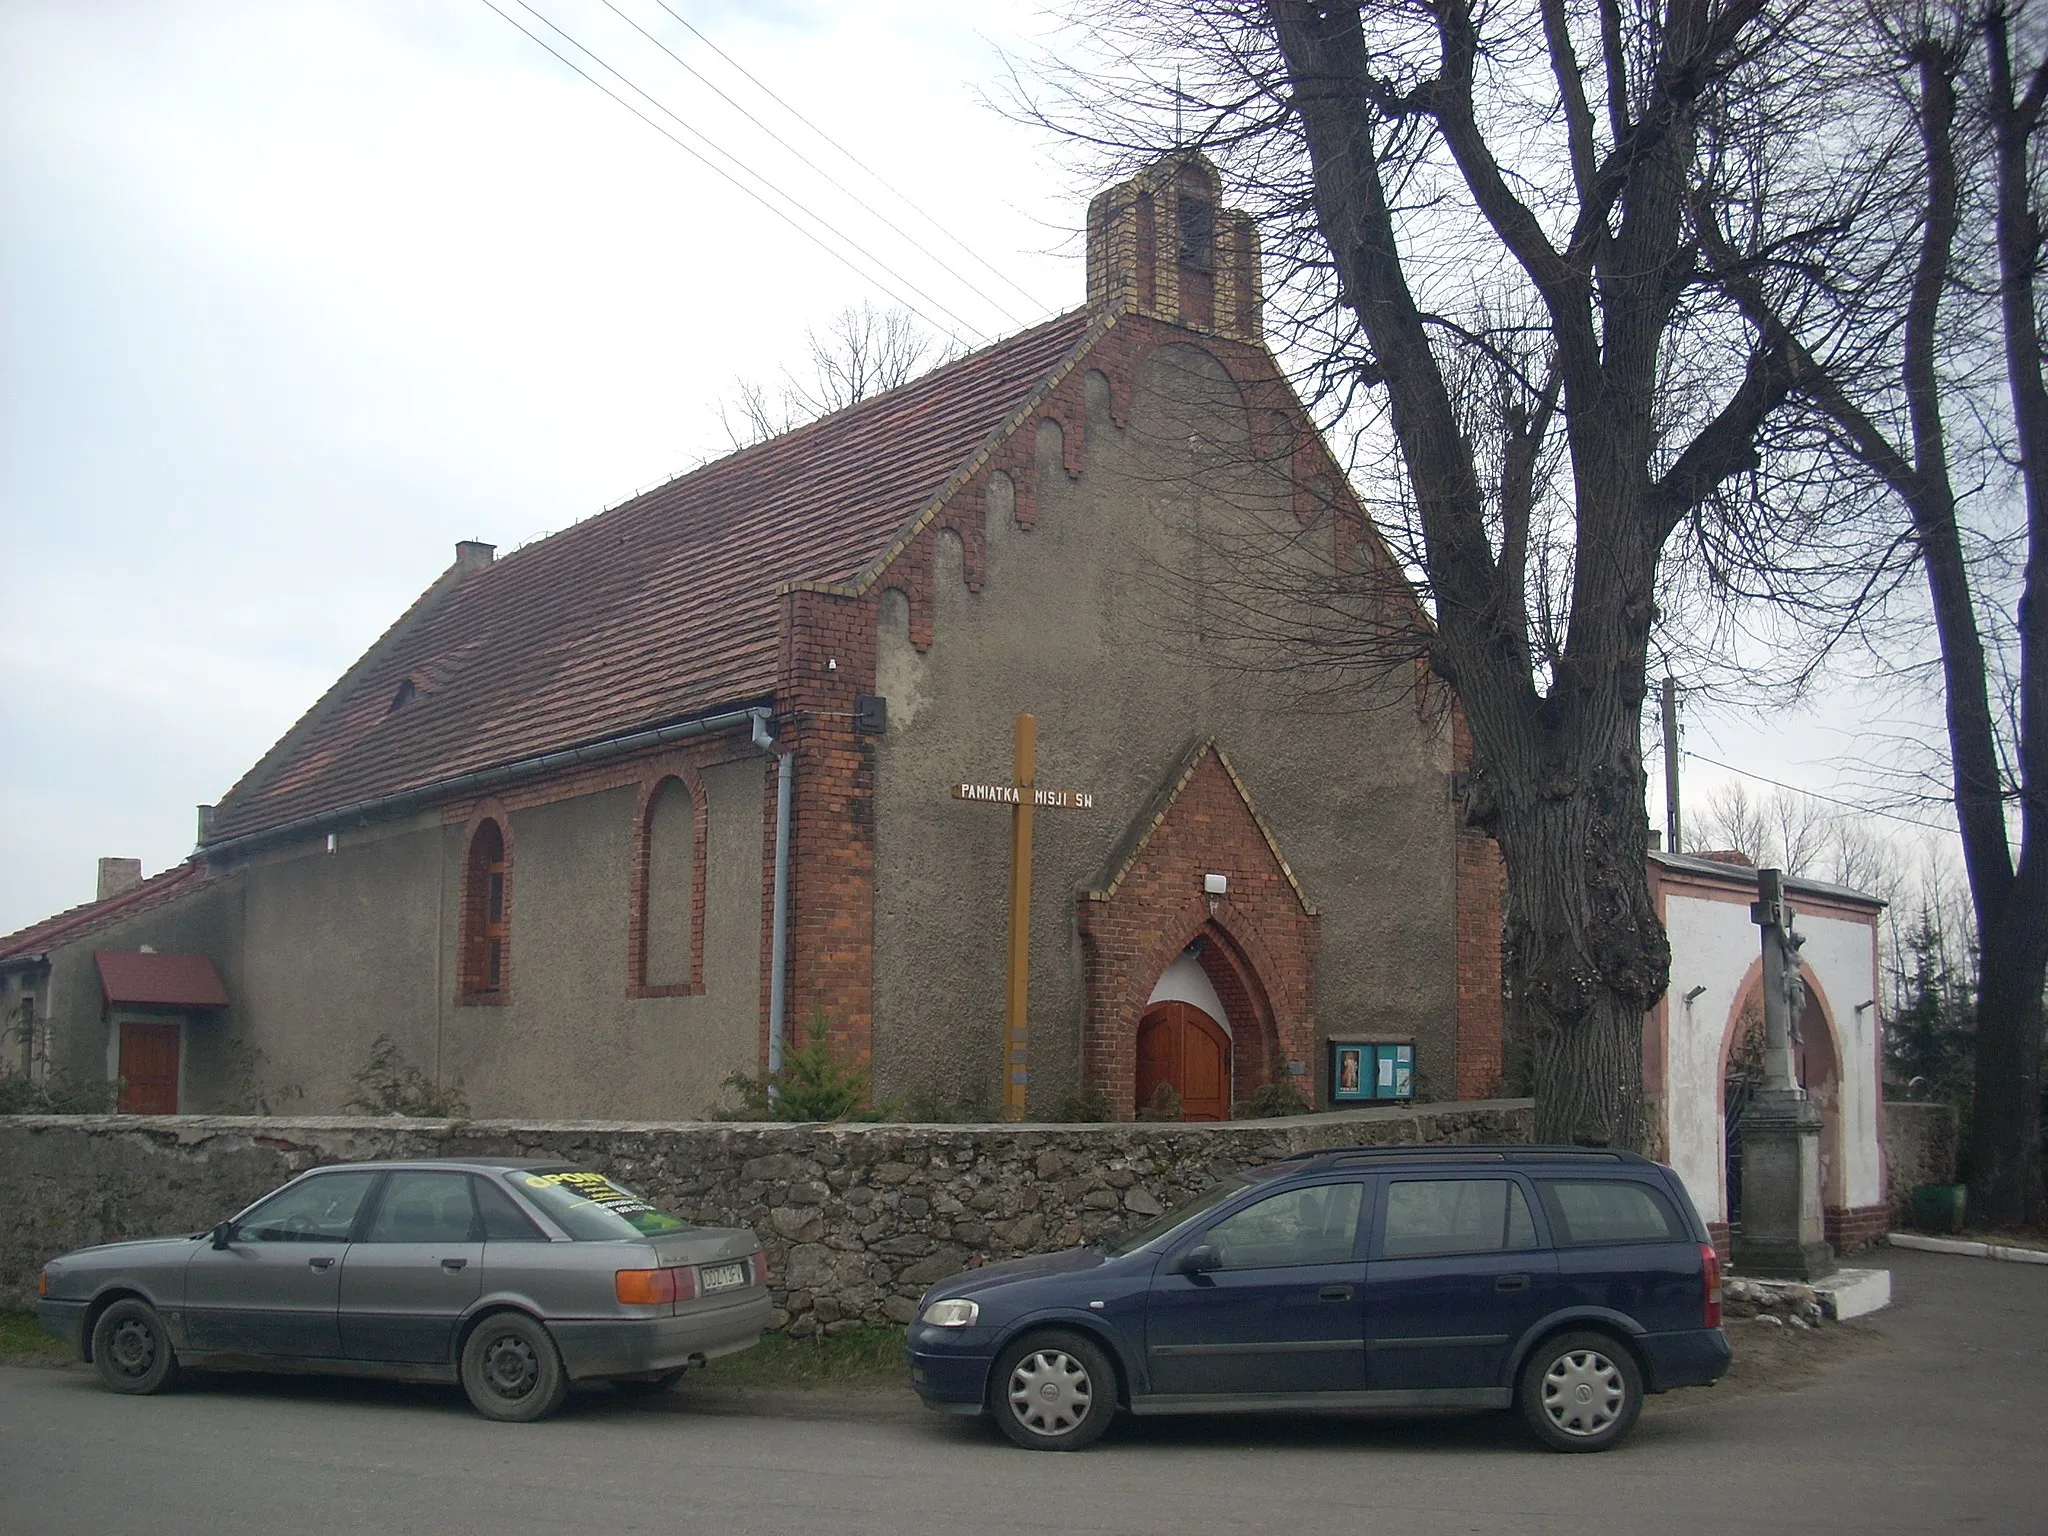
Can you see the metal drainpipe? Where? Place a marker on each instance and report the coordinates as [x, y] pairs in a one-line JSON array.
[[778, 948]]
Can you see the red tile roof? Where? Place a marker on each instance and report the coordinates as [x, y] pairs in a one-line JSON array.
[[69, 926], [660, 609], [143, 979]]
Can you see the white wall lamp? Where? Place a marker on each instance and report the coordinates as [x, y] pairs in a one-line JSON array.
[[1215, 887]]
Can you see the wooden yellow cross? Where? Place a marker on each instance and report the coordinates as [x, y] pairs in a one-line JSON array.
[[1023, 797]]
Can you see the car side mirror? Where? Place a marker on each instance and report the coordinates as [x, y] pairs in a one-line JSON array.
[[223, 1234], [1200, 1259]]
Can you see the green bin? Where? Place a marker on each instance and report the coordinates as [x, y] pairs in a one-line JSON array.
[[1938, 1207]]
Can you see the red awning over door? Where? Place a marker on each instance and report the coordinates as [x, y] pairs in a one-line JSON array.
[[141, 979]]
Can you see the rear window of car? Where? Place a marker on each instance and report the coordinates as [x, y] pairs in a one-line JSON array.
[[1432, 1218], [594, 1208], [1589, 1211]]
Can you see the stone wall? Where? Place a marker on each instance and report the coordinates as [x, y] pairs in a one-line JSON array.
[[1919, 1148], [857, 1219]]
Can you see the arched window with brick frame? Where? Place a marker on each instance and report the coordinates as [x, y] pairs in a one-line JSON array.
[[487, 915], [666, 937]]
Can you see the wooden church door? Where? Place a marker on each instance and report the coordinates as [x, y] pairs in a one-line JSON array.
[[1181, 1045]]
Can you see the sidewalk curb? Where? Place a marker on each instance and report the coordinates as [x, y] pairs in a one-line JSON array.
[[1970, 1250]]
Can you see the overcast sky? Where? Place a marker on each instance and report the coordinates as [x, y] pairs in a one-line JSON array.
[[296, 294]]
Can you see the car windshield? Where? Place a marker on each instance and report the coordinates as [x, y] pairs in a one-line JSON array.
[[1159, 1226], [593, 1208]]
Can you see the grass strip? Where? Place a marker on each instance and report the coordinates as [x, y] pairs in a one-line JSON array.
[[870, 1354], [22, 1338]]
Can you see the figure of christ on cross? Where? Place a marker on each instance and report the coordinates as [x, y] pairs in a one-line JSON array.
[[1023, 797]]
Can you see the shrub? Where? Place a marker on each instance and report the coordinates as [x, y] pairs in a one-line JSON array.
[[812, 1085], [59, 1093], [388, 1084], [1271, 1100], [1165, 1105], [1085, 1107]]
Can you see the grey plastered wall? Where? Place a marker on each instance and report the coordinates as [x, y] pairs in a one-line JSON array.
[[344, 946], [571, 1042], [1093, 620]]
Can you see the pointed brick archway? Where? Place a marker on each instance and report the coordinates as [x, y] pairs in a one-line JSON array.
[[1256, 941]]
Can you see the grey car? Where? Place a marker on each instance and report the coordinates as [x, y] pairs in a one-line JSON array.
[[512, 1277]]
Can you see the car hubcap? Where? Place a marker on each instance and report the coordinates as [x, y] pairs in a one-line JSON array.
[[510, 1365], [132, 1347], [1583, 1392], [1050, 1392]]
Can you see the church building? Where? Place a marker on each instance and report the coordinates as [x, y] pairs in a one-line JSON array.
[[596, 824]]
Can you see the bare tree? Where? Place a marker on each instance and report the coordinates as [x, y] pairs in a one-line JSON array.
[[1939, 391], [1483, 221], [1802, 835], [863, 352]]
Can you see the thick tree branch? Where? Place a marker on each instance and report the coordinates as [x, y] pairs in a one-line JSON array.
[[1571, 92]]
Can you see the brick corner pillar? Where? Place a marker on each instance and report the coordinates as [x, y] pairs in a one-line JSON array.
[[827, 660]]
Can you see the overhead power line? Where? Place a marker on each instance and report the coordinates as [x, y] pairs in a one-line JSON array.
[[824, 245], [860, 202], [866, 169], [719, 149], [1861, 810]]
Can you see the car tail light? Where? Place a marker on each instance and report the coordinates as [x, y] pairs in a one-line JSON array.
[[42, 1282], [686, 1283], [1710, 1273], [757, 1267], [647, 1287]]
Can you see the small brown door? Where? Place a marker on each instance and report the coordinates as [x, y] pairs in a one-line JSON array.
[[1181, 1045], [149, 1069]]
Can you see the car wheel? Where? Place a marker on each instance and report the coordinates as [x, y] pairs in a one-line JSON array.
[[1581, 1392], [512, 1370], [131, 1350], [1053, 1391]]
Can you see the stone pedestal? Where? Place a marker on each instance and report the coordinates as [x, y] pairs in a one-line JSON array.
[[1781, 1235]]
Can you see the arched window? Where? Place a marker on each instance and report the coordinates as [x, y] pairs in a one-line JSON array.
[[667, 924], [486, 916]]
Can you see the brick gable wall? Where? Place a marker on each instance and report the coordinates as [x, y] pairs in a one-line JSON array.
[[1259, 942], [1261, 961]]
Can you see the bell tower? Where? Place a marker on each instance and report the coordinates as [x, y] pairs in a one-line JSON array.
[[1163, 245]]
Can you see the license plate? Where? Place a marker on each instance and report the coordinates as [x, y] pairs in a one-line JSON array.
[[719, 1277]]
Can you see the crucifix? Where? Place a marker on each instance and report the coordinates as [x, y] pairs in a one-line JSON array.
[[1023, 797], [1783, 1231]]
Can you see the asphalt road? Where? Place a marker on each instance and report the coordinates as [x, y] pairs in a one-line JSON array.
[[1940, 1425]]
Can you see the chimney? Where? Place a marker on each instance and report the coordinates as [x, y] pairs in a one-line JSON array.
[[474, 554], [118, 875], [205, 822], [1162, 244]]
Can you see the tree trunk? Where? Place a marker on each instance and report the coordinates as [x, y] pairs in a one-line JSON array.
[[2005, 1129], [2006, 1185], [1584, 956]]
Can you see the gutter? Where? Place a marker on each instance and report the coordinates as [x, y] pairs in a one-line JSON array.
[[482, 779], [778, 946]]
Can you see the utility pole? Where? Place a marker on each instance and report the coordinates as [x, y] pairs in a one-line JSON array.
[[1671, 764]]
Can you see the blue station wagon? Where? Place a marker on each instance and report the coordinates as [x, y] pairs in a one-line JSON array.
[[1567, 1283]]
